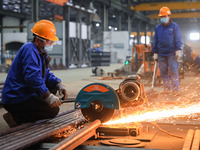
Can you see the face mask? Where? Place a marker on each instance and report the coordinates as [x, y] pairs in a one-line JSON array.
[[164, 20], [48, 48]]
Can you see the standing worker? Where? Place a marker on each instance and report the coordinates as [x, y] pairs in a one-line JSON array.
[[167, 50], [28, 92], [98, 48], [94, 48]]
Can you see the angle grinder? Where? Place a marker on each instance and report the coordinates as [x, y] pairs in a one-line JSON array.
[[99, 101]]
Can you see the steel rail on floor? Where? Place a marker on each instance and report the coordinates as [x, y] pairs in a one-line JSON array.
[[30, 134], [79, 137]]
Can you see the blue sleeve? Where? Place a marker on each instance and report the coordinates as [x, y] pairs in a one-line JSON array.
[[197, 61], [32, 71], [177, 37], [155, 41], [51, 80]]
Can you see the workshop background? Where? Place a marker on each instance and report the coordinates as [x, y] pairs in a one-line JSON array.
[[123, 30]]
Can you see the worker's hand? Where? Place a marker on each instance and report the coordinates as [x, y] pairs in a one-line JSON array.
[[155, 56], [62, 90], [179, 55], [53, 101]]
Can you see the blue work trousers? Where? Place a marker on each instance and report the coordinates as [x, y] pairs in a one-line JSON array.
[[164, 63]]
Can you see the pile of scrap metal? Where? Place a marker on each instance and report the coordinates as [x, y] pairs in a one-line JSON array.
[[98, 71]]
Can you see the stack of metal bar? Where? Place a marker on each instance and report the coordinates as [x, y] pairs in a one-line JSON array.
[[31, 133]]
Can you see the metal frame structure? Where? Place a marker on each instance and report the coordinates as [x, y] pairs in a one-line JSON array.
[[77, 49]]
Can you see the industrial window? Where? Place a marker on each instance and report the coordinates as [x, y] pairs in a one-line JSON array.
[[143, 40], [194, 36]]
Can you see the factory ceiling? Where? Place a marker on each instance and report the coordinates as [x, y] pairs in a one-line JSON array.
[[139, 10], [182, 10]]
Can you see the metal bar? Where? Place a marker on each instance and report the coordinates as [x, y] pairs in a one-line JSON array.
[[35, 138], [28, 131], [29, 139], [15, 129], [79, 137], [188, 140], [195, 144]]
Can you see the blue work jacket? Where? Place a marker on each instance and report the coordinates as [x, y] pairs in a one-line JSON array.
[[24, 79], [167, 39]]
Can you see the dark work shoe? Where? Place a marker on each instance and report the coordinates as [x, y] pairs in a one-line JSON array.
[[10, 120]]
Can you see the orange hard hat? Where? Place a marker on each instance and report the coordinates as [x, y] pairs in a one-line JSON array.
[[98, 45], [45, 29], [164, 11]]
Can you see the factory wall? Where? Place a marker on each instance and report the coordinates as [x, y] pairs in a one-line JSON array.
[[116, 42], [11, 21], [14, 34]]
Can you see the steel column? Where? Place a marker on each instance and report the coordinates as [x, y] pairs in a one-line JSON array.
[[129, 23], [145, 33], [80, 38], [138, 32], [119, 21], [2, 50], [66, 17], [35, 10], [105, 18]]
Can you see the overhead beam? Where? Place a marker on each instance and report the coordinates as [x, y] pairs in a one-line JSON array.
[[171, 5], [179, 15], [144, 18], [136, 14]]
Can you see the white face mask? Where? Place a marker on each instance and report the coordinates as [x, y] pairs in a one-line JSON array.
[[48, 48], [164, 20]]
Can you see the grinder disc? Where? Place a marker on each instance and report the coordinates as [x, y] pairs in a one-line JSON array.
[[97, 111]]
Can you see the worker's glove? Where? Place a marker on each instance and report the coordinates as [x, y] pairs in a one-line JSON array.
[[179, 55], [62, 90], [53, 101], [155, 56]]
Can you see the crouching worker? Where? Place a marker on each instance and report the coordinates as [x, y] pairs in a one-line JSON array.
[[29, 90], [196, 62]]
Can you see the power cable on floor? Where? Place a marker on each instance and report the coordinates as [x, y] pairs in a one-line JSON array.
[[171, 134]]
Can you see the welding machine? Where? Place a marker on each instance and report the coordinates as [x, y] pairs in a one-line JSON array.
[[99, 101]]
